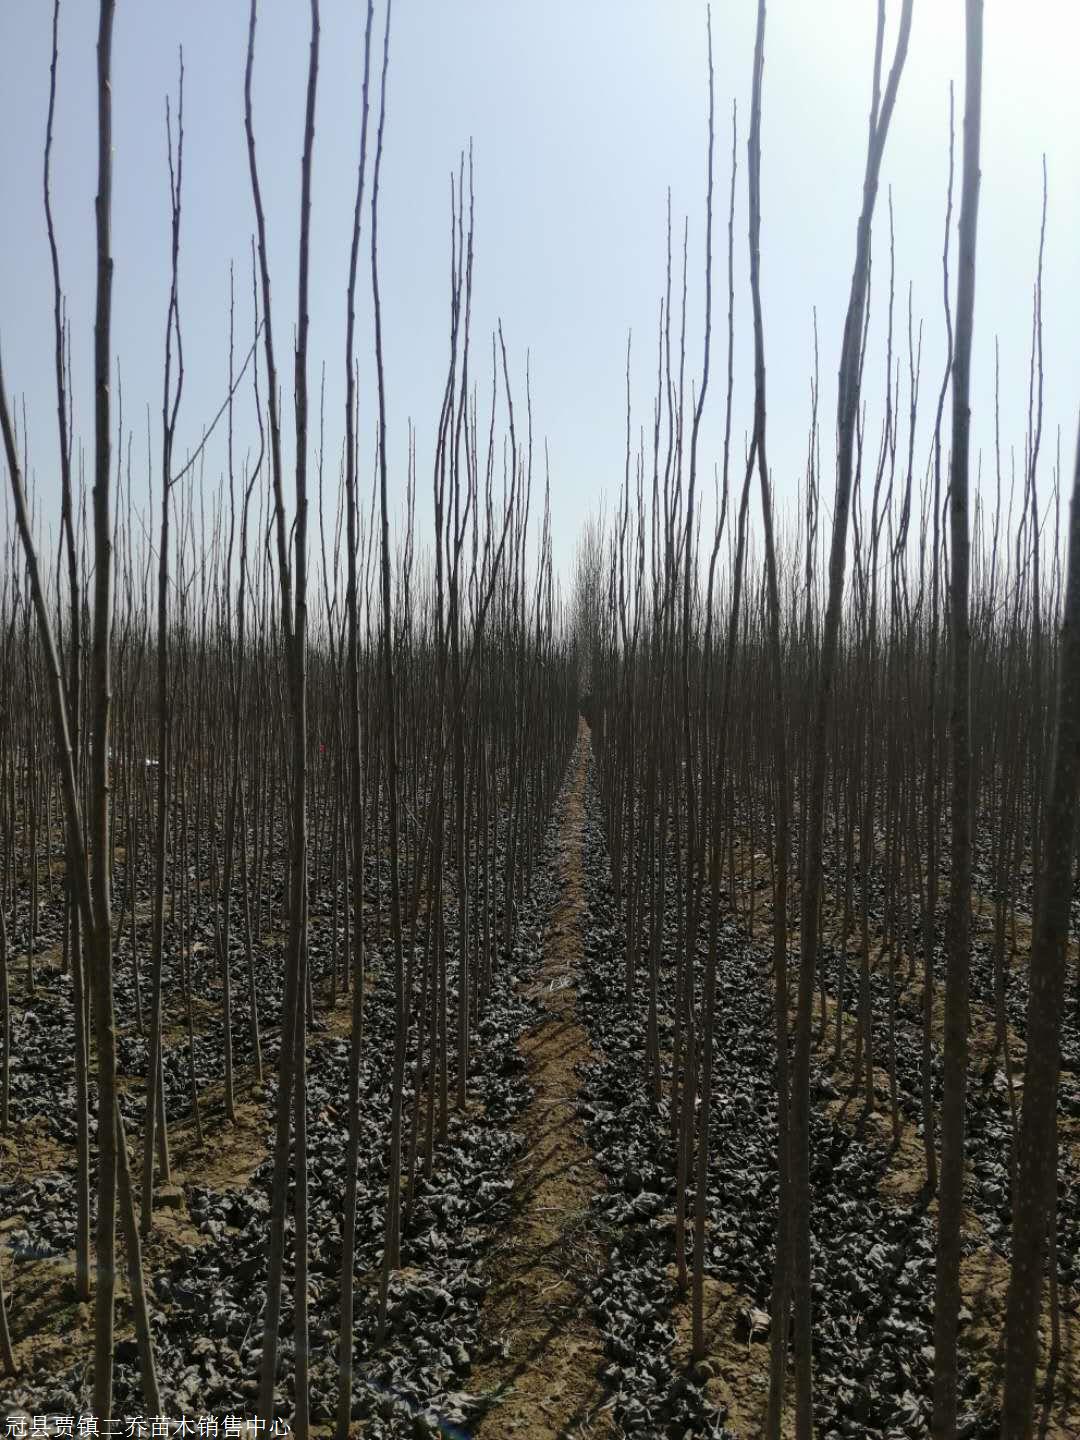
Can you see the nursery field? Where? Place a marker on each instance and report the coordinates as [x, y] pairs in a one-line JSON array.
[[539, 1287], [465, 974]]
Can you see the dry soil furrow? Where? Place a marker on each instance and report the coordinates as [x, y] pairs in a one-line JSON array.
[[547, 1382]]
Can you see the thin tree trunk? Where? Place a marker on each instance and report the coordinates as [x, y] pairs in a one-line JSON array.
[[951, 1190]]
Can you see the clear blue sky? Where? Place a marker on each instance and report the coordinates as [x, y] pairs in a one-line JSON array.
[[582, 113]]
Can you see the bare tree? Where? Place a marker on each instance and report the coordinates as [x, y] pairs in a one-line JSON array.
[[356, 777], [1036, 1164], [170, 405], [74, 692], [958, 945], [881, 110], [782, 1268]]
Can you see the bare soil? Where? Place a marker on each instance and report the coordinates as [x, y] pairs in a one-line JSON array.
[[547, 1383], [739, 1382]]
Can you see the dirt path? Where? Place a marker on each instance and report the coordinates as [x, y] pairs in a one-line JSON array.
[[547, 1382]]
